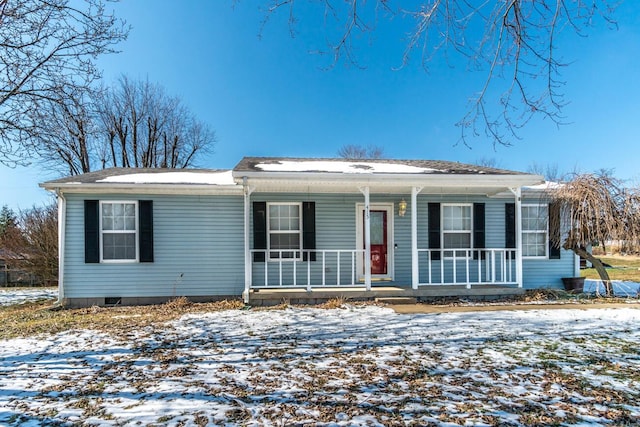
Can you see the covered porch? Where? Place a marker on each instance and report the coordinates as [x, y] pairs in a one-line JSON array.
[[420, 257]]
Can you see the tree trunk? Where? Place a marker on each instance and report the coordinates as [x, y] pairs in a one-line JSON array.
[[597, 264]]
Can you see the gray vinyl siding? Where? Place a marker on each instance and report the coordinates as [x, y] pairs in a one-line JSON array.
[[198, 250]]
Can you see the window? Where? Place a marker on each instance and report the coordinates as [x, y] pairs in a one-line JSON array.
[[535, 230], [284, 230], [456, 228], [118, 231]]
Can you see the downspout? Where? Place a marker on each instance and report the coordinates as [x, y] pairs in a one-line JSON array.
[[247, 248], [62, 221]]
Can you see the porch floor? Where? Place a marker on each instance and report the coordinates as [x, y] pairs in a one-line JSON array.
[[274, 296]]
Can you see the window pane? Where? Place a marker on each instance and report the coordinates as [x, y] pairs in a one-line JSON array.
[[534, 244], [457, 240], [377, 228], [107, 223], [534, 218], [456, 218], [116, 246]]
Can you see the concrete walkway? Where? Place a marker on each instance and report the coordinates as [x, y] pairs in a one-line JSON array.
[[427, 308]]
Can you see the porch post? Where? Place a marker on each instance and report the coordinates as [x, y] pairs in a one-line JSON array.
[[518, 193], [415, 266], [367, 238], [247, 237]]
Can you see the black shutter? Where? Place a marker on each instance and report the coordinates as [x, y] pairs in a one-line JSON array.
[[510, 225], [259, 230], [554, 231], [145, 219], [309, 229], [91, 231], [433, 216], [478, 229]]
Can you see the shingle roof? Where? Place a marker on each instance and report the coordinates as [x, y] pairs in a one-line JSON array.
[[137, 175], [319, 165]]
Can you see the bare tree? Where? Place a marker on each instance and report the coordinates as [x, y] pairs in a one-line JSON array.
[[551, 172], [67, 131], [39, 243], [47, 49], [359, 152], [513, 41], [142, 126], [592, 208], [488, 162]]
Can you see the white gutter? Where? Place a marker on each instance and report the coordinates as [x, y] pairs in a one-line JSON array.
[[422, 179], [62, 222], [109, 187]]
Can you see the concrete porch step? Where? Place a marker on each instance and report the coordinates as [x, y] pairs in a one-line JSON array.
[[397, 300]]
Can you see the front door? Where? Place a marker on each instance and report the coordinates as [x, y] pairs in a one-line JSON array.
[[378, 242]]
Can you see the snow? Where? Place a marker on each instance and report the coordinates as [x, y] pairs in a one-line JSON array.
[[185, 177], [621, 288], [353, 366], [10, 296], [339, 166]]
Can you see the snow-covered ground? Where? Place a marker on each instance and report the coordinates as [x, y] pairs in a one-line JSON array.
[[9, 296], [620, 288], [339, 367]]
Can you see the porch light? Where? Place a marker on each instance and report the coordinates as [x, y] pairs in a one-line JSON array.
[[402, 207]]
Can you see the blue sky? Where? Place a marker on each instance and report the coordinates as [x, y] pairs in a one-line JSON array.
[[269, 96]]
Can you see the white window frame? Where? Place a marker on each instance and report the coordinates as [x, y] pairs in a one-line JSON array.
[[136, 236], [298, 252], [443, 232], [546, 231]]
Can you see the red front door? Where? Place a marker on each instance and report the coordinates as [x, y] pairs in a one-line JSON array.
[[378, 242]]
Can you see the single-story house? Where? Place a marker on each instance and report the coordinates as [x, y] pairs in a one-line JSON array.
[[304, 228]]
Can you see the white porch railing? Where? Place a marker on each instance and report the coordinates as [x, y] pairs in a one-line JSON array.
[[341, 267], [289, 268], [467, 267]]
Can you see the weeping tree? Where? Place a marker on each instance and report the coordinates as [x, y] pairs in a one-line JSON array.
[[592, 208]]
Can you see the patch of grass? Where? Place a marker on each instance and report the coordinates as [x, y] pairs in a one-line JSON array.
[[31, 319], [623, 267]]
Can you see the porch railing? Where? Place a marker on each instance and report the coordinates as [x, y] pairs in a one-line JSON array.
[[293, 268], [343, 267], [467, 266]]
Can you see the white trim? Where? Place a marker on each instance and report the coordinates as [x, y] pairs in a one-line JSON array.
[[469, 232], [62, 222], [389, 208], [269, 232], [519, 273], [136, 233], [546, 231], [248, 259], [415, 257]]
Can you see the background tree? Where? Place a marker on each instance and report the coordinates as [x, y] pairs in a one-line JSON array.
[[489, 162], [551, 172], [47, 50], [359, 152], [129, 124], [591, 208], [8, 224], [513, 41], [142, 126], [40, 231]]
